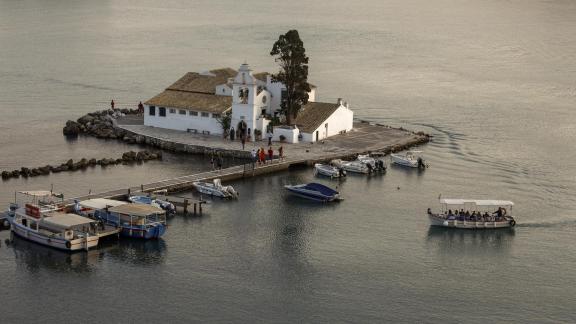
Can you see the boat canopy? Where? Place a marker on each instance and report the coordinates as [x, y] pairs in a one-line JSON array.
[[136, 210], [66, 221], [101, 203], [495, 203]]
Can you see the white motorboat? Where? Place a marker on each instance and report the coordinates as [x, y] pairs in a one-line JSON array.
[[215, 189], [329, 170], [473, 214], [373, 161], [42, 221], [148, 200], [410, 159], [352, 166]]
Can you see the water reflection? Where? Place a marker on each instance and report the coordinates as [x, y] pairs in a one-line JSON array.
[[136, 252], [470, 242], [35, 257]]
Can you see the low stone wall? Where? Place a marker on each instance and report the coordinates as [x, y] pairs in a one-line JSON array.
[[82, 164]]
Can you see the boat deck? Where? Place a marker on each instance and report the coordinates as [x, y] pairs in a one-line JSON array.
[[108, 231]]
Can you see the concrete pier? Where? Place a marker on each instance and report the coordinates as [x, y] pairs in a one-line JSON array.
[[365, 138]]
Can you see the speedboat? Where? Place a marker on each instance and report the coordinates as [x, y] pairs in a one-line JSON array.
[[147, 200], [42, 220], [314, 191], [410, 159], [351, 166], [473, 214], [215, 189], [373, 162], [329, 170]]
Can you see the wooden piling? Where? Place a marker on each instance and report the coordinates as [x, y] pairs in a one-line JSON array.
[[185, 206]]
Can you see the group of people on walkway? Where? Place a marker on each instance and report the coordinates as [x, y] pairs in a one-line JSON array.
[[260, 156]]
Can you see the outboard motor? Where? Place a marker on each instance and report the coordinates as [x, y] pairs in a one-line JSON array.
[[341, 172], [421, 164]]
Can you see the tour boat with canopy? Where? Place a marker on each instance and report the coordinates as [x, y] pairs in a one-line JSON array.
[[410, 159], [473, 214], [42, 220], [134, 220]]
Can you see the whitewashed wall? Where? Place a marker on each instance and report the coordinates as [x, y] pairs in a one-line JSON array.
[[182, 122], [290, 134], [223, 90], [341, 120]]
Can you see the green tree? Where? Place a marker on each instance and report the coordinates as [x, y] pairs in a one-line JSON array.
[[225, 120], [291, 56]]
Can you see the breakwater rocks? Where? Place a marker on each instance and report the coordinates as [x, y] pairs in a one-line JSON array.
[[99, 124], [82, 164]]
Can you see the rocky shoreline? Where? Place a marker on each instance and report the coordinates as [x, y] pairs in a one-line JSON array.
[[100, 124], [127, 158]]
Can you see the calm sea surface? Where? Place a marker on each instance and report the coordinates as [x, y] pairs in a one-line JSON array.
[[493, 81]]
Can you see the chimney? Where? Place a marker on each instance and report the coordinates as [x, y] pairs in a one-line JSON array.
[[339, 102]]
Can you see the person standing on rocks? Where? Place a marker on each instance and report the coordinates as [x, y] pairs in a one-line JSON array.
[[112, 104], [140, 108]]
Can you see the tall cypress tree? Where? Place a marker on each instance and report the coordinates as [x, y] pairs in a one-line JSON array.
[[291, 56]]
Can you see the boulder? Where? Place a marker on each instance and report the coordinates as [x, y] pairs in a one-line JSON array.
[[25, 172], [129, 156], [72, 128], [92, 162], [142, 155], [6, 174], [85, 119], [16, 173], [70, 164]]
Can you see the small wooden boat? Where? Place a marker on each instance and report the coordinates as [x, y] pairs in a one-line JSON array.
[[314, 191], [215, 189], [473, 214], [410, 159], [329, 170]]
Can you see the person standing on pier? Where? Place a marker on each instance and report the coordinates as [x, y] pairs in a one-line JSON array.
[[281, 153], [219, 162], [270, 153], [253, 153], [262, 156], [270, 135], [243, 140]]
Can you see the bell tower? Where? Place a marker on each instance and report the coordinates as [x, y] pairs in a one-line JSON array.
[[244, 93]]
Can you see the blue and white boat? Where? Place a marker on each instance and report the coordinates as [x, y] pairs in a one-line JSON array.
[[147, 200], [135, 220], [314, 191]]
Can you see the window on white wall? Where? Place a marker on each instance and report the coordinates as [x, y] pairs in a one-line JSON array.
[[215, 115], [182, 112], [162, 111], [152, 111], [193, 113], [205, 114], [172, 110]]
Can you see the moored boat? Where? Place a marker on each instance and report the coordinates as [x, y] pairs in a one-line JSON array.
[[42, 221], [215, 189], [351, 166], [473, 214], [314, 191], [134, 220], [410, 159], [329, 170], [148, 200]]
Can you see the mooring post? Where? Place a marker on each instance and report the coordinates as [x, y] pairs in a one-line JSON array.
[[128, 192], [142, 187], [185, 206], [200, 207]]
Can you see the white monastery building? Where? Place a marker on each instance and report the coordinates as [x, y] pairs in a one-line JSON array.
[[197, 101]]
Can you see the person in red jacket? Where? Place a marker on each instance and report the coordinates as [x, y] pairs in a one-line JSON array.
[[270, 153]]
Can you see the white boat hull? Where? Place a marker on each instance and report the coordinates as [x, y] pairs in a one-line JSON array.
[[58, 243], [403, 161], [436, 220]]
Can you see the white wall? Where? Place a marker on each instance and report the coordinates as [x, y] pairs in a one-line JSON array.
[[291, 134], [182, 122], [223, 90], [341, 120], [275, 89]]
